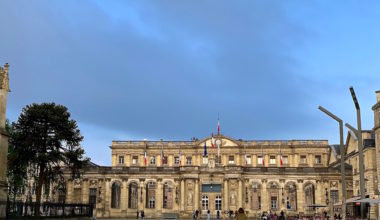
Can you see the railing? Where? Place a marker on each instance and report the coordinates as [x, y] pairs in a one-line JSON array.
[[48, 210]]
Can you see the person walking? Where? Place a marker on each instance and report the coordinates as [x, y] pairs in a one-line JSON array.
[[208, 215], [137, 214], [142, 214]]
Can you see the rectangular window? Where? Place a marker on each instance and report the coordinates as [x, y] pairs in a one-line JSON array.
[[231, 160], [272, 160], [273, 202], [318, 159], [135, 160], [152, 160], [249, 160], [176, 160], [121, 159], [205, 160], [165, 160], [285, 159], [260, 160], [303, 159], [188, 160], [92, 197]]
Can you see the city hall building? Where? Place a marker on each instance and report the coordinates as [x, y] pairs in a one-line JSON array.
[[220, 174]]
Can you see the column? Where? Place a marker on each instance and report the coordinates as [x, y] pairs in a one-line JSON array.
[[107, 197], [85, 191], [196, 197], [182, 194], [226, 196], [240, 196], [158, 160], [159, 198], [123, 196], [300, 198], [319, 193], [264, 197], [69, 191]]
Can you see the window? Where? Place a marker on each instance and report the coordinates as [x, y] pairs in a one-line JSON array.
[[205, 160], [303, 159], [61, 195], [92, 197], [272, 160], [168, 196], [152, 160], [115, 195], [77, 195], [231, 160], [218, 202], [285, 159], [135, 160], [133, 194], [334, 198], [121, 159], [273, 202], [259, 160], [165, 160], [309, 195], [255, 194], [204, 202], [318, 159], [188, 160], [249, 160], [151, 195], [176, 160]]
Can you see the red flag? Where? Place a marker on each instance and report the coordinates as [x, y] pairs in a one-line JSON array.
[[280, 157], [162, 156], [145, 157], [212, 140], [179, 157], [262, 156]]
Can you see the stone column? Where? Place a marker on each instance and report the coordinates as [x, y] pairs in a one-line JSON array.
[[69, 191], [107, 197], [240, 194], [182, 194], [85, 191], [196, 196], [300, 198], [123, 196], [264, 197], [226, 196], [159, 198]]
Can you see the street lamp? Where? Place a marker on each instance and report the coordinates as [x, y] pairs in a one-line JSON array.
[[360, 146], [342, 158]]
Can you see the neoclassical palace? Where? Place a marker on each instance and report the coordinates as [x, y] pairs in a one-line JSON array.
[[178, 177]]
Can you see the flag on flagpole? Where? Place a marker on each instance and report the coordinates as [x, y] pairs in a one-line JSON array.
[[218, 126], [212, 141], [179, 157], [280, 156], [162, 155], [205, 153], [145, 157], [262, 155]]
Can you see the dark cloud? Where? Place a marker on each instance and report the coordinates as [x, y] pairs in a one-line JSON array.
[[164, 69]]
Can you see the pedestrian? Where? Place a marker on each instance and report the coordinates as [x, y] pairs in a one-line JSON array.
[[208, 214], [241, 215], [282, 216], [142, 214], [137, 214], [217, 214]]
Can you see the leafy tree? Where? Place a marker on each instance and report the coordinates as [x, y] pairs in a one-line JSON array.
[[46, 139]]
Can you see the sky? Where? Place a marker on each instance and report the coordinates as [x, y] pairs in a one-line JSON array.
[[130, 70]]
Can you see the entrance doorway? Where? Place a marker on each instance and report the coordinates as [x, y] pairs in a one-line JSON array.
[[212, 199]]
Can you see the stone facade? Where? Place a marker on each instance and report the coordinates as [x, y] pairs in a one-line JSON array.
[[237, 178], [376, 111], [4, 89]]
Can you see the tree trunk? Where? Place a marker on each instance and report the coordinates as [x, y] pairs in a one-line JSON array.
[[40, 183]]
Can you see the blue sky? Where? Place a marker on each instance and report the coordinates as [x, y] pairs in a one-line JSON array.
[[165, 69]]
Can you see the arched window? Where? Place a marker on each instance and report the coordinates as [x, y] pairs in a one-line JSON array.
[[168, 196], [291, 196], [309, 196], [150, 195], [133, 195], [115, 195], [255, 196], [204, 202], [273, 195], [218, 202]]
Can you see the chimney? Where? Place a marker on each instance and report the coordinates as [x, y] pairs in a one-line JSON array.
[[378, 95]]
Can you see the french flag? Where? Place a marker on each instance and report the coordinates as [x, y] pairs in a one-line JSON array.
[[145, 157]]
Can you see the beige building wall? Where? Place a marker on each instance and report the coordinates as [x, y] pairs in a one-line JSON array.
[[376, 111]]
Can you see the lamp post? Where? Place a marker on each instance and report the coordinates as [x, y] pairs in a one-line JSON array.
[[342, 158], [360, 146]]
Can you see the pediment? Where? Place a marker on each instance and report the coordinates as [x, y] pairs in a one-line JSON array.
[[225, 142]]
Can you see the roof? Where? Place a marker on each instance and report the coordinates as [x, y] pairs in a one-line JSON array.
[[335, 149]]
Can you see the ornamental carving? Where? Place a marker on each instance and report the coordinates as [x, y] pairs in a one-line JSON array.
[[93, 183]]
